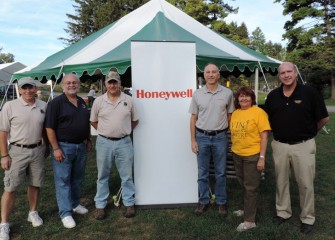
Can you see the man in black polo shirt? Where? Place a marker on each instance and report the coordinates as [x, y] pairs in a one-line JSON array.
[[296, 113], [68, 129]]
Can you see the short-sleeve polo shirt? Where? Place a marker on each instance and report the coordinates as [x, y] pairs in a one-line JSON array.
[[22, 121], [212, 108], [114, 119], [70, 123], [295, 118]]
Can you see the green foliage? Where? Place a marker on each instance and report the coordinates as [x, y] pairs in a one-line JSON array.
[[234, 32], [257, 40], [275, 50], [258, 43], [6, 57], [311, 45]]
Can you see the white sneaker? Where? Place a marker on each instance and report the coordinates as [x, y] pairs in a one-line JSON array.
[[68, 222], [80, 209], [238, 213], [35, 219], [4, 231], [242, 227]]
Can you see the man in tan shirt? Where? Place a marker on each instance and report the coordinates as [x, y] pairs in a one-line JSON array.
[[21, 122], [113, 115]]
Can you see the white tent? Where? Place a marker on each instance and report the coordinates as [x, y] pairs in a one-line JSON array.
[[157, 20], [7, 70]]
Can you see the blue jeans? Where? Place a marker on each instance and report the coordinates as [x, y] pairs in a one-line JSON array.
[[122, 153], [212, 147], [69, 176]]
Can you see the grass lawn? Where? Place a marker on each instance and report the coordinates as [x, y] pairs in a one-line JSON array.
[[181, 223], [330, 102]]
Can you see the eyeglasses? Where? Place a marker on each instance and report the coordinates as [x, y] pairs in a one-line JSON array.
[[71, 83]]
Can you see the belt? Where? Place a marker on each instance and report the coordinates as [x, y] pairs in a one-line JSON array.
[[293, 142], [113, 139], [67, 142], [211, 133], [27, 146]]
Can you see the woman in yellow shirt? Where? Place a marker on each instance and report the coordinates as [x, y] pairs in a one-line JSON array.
[[249, 128]]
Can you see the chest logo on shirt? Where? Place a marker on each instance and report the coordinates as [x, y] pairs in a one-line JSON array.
[[125, 104], [298, 101], [239, 128]]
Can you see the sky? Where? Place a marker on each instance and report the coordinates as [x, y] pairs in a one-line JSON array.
[[30, 29]]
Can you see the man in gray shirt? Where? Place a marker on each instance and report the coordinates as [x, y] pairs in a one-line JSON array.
[[211, 108]]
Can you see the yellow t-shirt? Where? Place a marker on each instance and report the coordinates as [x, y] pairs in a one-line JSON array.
[[245, 127]]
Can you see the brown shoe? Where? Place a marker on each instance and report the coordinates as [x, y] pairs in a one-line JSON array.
[[223, 210], [130, 212], [99, 213], [201, 208]]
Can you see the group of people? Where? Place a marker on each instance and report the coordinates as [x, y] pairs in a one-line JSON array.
[[31, 130], [29, 126], [294, 113]]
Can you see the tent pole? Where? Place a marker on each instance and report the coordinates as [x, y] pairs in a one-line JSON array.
[[256, 83], [5, 96], [263, 74], [54, 86], [302, 80]]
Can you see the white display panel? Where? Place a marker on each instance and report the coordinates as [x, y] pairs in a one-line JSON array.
[[163, 81]]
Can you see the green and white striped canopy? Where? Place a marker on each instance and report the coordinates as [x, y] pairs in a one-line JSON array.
[[156, 20]]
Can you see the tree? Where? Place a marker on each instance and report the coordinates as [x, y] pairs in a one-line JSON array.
[[6, 57], [257, 40], [274, 50], [237, 33], [208, 12], [311, 45]]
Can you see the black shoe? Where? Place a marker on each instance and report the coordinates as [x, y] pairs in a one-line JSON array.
[[223, 210], [278, 220], [306, 228], [201, 208]]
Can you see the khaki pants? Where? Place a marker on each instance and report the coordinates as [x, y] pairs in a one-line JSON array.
[[302, 159], [249, 178]]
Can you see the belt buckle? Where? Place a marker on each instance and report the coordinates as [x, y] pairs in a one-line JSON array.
[[211, 133]]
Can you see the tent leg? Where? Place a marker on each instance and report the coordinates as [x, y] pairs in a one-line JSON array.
[[256, 83]]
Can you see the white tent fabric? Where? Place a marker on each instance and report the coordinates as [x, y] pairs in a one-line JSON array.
[[7, 70], [157, 20]]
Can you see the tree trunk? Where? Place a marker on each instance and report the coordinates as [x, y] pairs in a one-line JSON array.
[[332, 80]]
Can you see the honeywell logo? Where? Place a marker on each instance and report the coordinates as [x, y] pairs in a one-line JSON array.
[[165, 95]]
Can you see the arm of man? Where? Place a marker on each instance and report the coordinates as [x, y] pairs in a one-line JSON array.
[[134, 124], [46, 142], [5, 158], [320, 124], [264, 142], [58, 153], [89, 145], [228, 117], [95, 125], [194, 143]]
